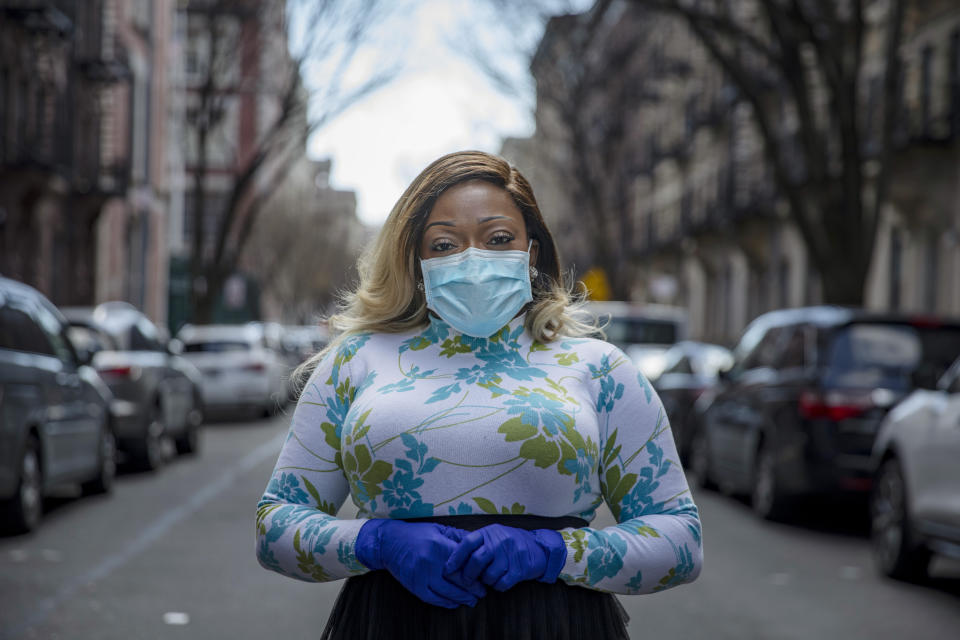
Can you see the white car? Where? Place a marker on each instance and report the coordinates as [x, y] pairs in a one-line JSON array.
[[240, 368], [915, 505], [643, 331]]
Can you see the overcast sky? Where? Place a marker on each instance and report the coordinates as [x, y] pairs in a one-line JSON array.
[[440, 102]]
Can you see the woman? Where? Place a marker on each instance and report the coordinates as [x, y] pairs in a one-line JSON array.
[[477, 433]]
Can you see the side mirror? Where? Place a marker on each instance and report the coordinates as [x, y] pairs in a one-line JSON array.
[[174, 347]]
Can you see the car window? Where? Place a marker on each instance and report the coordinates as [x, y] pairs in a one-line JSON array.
[[89, 339], [626, 331], [766, 351], [892, 356], [793, 355], [19, 332], [144, 336], [54, 331], [682, 365], [216, 346]]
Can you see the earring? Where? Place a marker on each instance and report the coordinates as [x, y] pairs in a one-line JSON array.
[[534, 272], [419, 285]]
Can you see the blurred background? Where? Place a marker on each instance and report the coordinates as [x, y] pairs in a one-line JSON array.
[[761, 198]]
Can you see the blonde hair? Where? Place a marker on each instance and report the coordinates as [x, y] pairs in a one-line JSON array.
[[386, 299]]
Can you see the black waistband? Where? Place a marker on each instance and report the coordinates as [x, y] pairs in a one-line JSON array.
[[473, 522]]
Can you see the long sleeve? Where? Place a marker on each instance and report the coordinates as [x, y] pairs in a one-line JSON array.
[[298, 534], [657, 541]]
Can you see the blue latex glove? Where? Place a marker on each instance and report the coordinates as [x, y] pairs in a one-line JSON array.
[[501, 556], [415, 553]]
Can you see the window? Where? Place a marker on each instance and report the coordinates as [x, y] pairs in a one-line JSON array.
[[19, 332], [144, 336], [954, 78], [926, 74], [793, 356], [765, 353], [54, 332]]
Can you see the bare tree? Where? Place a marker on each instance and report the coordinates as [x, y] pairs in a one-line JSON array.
[[304, 243], [325, 35], [785, 55]]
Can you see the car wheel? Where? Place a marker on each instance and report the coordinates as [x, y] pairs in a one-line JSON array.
[[766, 498], [189, 442], [700, 460], [22, 513], [151, 448], [895, 551], [103, 482]]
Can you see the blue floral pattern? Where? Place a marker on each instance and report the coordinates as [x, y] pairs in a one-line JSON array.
[[434, 422]]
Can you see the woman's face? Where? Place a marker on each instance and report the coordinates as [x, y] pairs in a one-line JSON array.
[[475, 214]]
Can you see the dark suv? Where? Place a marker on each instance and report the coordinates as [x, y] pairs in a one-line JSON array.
[[55, 421], [799, 411]]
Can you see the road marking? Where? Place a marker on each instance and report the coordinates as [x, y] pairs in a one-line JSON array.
[[147, 537], [176, 617]]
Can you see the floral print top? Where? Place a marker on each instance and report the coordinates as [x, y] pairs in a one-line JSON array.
[[435, 422]]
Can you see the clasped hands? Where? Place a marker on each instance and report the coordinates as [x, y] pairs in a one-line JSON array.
[[449, 567]]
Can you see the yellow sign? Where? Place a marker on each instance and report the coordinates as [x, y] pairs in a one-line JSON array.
[[598, 287]]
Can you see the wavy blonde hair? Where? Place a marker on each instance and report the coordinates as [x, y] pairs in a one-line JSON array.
[[386, 298]]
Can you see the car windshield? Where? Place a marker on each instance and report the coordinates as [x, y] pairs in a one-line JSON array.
[[216, 346], [87, 339], [623, 331], [891, 356]]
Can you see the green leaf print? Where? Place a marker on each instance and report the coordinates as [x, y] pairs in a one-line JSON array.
[[610, 451], [360, 429], [380, 471], [538, 346], [515, 429], [567, 453], [330, 435], [307, 563], [567, 359], [486, 505], [420, 343], [363, 458], [615, 488], [543, 452], [323, 505], [453, 346], [577, 540], [515, 509]]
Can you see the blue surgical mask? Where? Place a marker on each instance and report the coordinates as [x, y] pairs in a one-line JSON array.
[[477, 291]]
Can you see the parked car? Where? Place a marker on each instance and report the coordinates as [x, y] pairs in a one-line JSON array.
[[643, 331], [799, 411], [156, 392], [689, 369], [238, 366], [299, 343], [915, 504], [55, 422]]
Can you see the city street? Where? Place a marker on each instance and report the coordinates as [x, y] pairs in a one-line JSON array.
[[170, 555]]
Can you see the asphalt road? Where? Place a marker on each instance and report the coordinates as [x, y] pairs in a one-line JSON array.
[[171, 555]]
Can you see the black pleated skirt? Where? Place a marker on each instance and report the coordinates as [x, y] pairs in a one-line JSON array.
[[375, 606]]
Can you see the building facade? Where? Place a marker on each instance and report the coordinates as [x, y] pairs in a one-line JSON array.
[[708, 228], [84, 182]]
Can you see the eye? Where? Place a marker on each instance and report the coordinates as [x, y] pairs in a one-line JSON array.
[[441, 245], [501, 238]]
